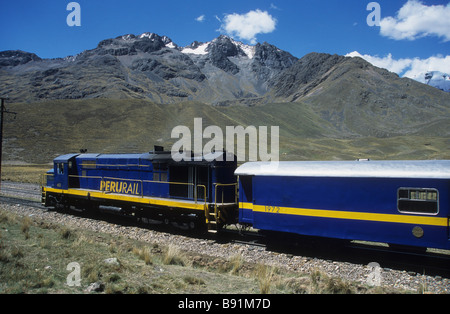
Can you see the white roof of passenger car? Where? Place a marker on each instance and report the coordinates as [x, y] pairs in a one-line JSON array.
[[439, 169]]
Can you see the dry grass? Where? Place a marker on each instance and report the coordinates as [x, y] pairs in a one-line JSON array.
[[265, 276], [322, 284], [26, 222], [236, 262], [50, 128], [24, 173], [174, 256], [144, 254], [37, 264]]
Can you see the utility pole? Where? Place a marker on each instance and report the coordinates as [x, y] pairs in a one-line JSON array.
[[2, 111]]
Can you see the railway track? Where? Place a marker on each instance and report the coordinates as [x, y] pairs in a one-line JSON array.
[[430, 262], [24, 190], [11, 200], [353, 253]]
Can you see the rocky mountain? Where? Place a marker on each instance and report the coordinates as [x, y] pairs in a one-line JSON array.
[[129, 92], [359, 98], [147, 66], [12, 58], [353, 96]]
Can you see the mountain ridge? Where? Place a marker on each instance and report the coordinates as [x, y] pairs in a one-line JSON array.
[[128, 92], [355, 97], [149, 66]]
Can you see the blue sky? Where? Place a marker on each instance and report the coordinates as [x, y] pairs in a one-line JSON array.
[[420, 35]]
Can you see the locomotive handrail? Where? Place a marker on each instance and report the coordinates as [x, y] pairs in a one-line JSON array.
[[186, 184], [204, 190], [87, 177], [216, 185], [95, 166], [217, 213], [43, 178]]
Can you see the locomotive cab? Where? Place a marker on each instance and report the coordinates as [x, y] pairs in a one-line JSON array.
[[63, 169]]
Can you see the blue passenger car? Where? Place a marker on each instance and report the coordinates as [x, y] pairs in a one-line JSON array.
[[396, 202]]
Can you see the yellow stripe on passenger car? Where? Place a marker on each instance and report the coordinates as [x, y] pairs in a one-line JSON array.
[[129, 198], [405, 219], [244, 205]]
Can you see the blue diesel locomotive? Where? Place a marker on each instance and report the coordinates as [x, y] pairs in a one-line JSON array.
[[397, 202], [148, 186]]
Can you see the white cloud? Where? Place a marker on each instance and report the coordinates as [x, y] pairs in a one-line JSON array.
[[397, 66], [201, 18], [247, 26], [274, 7], [415, 20], [435, 63], [412, 68]]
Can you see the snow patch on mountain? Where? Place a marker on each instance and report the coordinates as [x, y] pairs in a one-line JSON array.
[[196, 49], [436, 79], [247, 49]]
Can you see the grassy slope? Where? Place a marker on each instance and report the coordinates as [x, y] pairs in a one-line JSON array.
[[47, 129], [34, 255]]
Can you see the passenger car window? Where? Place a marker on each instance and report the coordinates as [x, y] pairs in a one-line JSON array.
[[418, 200]]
